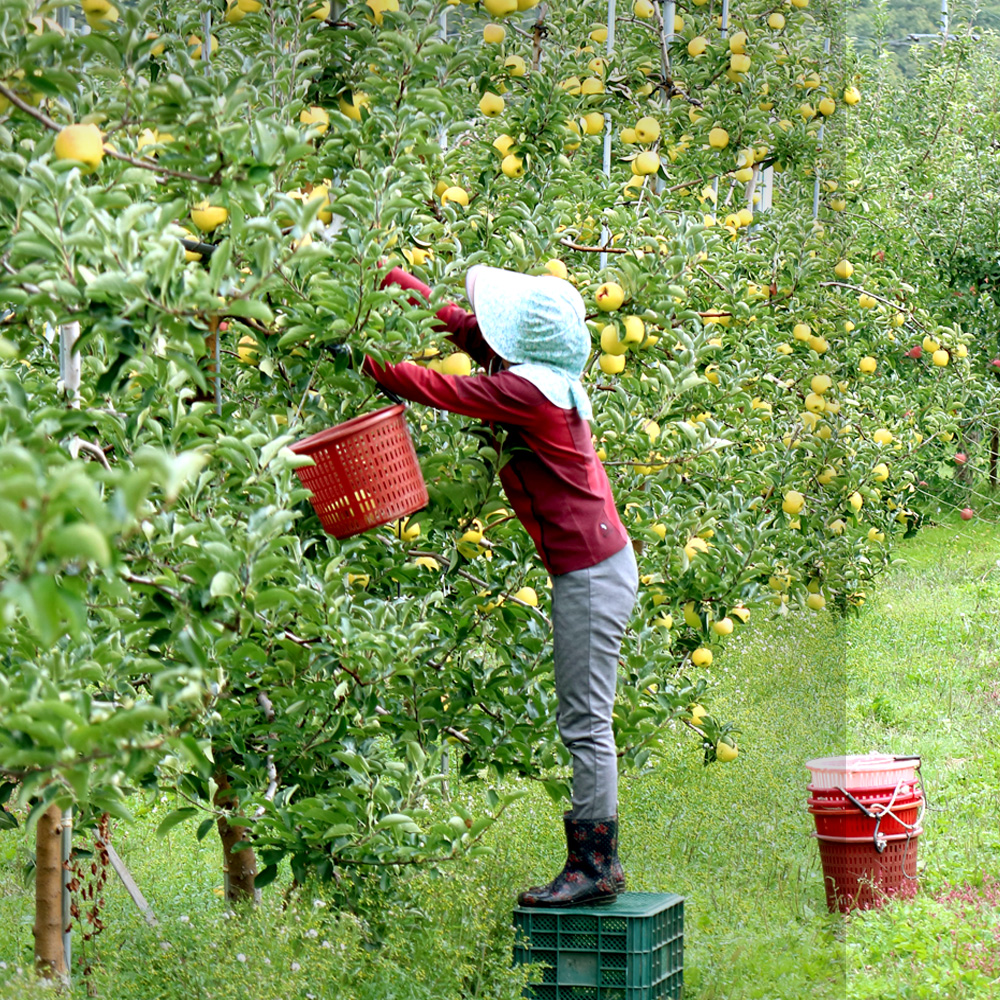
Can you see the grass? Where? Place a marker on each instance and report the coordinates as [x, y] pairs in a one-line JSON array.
[[915, 673], [924, 679]]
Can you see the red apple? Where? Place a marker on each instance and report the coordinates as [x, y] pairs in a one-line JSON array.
[[995, 363], [914, 352], [967, 513], [923, 482], [961, 458]]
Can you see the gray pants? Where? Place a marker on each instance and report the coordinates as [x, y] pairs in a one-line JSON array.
[[590, 609]]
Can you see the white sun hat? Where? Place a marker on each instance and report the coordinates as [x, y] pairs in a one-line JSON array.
[[538, 324]]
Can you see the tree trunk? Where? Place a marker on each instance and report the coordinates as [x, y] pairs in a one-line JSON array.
[[48, 930], [240, 867], [208, 396]]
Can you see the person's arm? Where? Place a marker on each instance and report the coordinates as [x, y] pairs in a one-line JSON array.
[[462, 326], [504, 398]]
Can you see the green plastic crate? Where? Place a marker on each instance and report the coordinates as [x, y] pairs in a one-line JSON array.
[[630, 950]]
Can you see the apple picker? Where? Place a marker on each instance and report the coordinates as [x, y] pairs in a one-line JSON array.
[[529, 334]]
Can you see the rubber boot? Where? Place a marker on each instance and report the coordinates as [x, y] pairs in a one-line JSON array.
[[617, 870], [586, 878]]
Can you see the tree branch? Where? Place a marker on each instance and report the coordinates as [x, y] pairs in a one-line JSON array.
[[144, 164]]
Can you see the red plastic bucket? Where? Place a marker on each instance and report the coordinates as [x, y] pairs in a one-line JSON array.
[[869, 801], [852, 822], [365, 474], [883, 793], [857, 876]]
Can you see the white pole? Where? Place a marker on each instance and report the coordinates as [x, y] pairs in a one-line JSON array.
[[69, 333], [767, 189], [669, 13], [822, 132], [443, 35], [206, 55], [605, 232], [206, 43], [725, 34], [69, 361], [944, 20], [67, 846]]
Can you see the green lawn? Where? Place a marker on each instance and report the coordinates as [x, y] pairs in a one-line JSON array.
[[915, 673], [924, 679]]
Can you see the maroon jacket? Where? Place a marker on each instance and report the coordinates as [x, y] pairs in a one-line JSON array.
[[553, 477]]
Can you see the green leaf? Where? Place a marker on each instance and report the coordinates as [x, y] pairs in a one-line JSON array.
[[173, 819], [265, 876], [558, 791], [80, 541], [220, 261], [109, 285], [273, 596], [251, 309]]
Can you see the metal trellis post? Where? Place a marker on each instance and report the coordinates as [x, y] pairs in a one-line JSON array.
[[443, 35], [724, 31], [67, 847], [668, 13], [766, 189], [69, 333], [822, 132], [206, 56], [69, 361], [605, 232]]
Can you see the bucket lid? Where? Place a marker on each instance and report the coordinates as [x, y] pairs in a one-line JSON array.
[[859, 762]]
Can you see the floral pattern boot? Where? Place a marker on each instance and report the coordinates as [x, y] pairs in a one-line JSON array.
[[617, 870], [587, 877]]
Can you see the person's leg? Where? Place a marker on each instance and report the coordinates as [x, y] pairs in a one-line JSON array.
[[590, 609]]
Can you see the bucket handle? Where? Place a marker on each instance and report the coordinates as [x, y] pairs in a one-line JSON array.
[[878, 839]]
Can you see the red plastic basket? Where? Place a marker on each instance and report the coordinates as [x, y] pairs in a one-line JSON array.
[[854, 823], [366, 472], [839, 802], [834, 796], [856, 876]]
